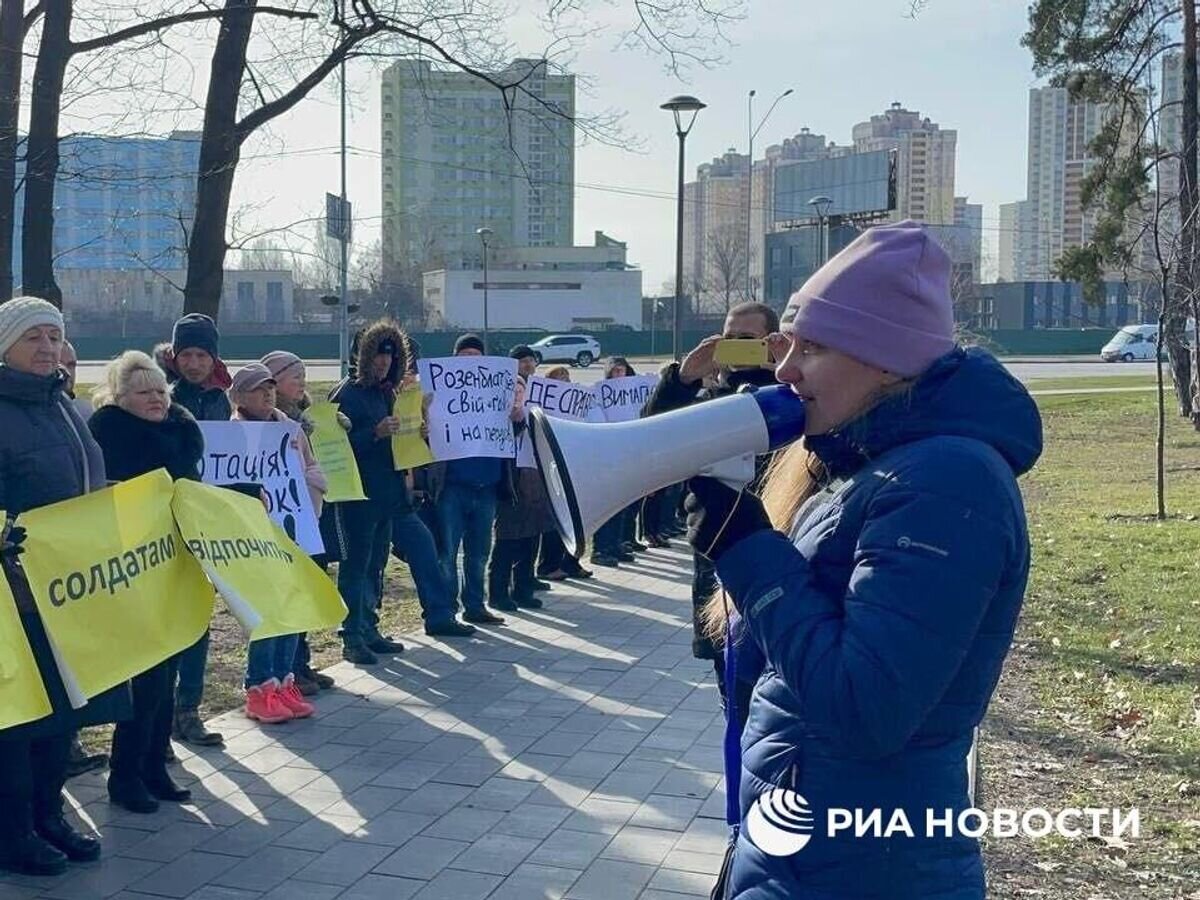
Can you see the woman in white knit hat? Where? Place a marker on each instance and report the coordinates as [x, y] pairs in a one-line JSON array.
[[47, 455]]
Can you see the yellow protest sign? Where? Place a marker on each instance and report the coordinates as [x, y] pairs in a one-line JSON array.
[[269, 584], [331, 446], [115, 588], [22, 694], [409, 449]]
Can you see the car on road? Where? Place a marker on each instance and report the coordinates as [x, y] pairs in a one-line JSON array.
[[576, 349], [1137, 342]]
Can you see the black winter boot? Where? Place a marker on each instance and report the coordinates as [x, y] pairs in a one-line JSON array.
[[28, 854], [56, 831], [189, 729], [131, 793]]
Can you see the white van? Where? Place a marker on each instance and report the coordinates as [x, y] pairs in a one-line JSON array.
[[1138, 342], [1133, 342]]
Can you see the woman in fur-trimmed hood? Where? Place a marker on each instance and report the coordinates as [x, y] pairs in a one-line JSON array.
[[366, 400]]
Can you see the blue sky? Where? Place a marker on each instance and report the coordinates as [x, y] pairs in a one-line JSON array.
[[958, 62]]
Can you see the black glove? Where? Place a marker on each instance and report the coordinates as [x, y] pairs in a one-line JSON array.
[[718, 516], [14, 541]]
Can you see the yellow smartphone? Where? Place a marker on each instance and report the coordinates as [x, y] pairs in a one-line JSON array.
[[742, 352]]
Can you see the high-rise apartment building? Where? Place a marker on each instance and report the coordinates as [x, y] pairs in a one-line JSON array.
[[714, 232], [715, 213], [1016, 221], [1052, 218], [456, 159], [1170, 136], [120, 202], [968, 230], [924, 164]]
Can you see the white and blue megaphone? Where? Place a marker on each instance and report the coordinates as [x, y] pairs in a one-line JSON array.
[[593, 471]]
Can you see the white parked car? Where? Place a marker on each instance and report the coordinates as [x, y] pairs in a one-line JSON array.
[[576, 349]]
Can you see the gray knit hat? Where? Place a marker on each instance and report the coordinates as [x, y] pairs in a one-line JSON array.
[[279, 361], [20, 314]]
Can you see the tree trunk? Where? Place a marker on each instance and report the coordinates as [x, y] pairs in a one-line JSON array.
[[12, 37], [1183, 366], [41, 165], [220, 150]]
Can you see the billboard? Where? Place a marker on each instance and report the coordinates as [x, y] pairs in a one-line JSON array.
[[859, 183]]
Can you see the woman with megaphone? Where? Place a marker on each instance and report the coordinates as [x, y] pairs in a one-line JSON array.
[[871, 595]]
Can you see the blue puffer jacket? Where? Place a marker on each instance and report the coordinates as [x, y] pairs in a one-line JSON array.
[[877, 633]]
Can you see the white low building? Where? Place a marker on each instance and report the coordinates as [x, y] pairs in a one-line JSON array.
[[248, 296], [552, 288]]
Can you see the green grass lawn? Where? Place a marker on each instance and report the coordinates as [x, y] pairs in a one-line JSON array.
[[1095, 381], [1100, 703]]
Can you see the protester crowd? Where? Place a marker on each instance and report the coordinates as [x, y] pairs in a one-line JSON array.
[[856, 616], [490, 513]]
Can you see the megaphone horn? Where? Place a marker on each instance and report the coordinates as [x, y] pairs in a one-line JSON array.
[[593, 471]]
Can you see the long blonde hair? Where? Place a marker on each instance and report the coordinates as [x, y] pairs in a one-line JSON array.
[[793, 476]]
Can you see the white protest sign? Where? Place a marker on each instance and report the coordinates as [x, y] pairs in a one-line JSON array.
[[622, 399], [472, 401], [266, 454], [560, 399]]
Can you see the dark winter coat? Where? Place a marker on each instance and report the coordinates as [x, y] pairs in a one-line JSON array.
[[877, 630], [47, 455], [522, 504], [366, 401], [206, 402], [133, 446]]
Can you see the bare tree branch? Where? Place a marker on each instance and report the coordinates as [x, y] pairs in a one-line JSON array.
[[154, 25]]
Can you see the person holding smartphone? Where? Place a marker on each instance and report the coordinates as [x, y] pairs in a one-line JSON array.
[[683, 384]]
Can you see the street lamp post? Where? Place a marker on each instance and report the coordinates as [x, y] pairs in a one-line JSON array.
[[654, 305], [821, 204], [485, 235], [679, 107], [343, 287], [752, 132]]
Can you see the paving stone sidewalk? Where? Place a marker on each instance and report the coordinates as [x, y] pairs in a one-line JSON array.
[[575, 753]]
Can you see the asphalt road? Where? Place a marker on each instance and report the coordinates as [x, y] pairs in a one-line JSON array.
[[91, 372]]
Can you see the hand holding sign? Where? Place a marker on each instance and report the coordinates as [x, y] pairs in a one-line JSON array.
[[406, 426], [332, 449], [387, 427], [518, 407]]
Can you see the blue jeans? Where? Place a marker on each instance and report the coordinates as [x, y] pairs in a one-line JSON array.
[[412, 542], [271, 658], [466, 515], [368, 529], [192, 663]]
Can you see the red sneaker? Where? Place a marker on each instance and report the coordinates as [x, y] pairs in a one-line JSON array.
[[264, 704], [289, 695]]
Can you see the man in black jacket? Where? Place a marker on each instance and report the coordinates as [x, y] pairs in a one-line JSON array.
[[682, 384], [199, 379]]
